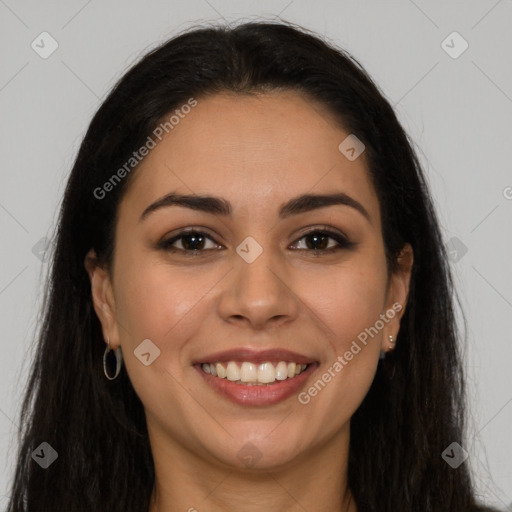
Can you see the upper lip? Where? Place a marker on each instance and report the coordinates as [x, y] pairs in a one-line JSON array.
[[255, 356]]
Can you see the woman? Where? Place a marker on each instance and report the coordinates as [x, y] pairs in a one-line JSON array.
[[250, 306]]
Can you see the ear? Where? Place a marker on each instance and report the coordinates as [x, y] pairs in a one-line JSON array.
[[102, 297], [397, 294]]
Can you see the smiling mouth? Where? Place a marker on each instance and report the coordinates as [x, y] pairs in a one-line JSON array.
[[252, 374]]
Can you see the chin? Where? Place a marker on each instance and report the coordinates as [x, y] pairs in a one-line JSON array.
[[253, 452]]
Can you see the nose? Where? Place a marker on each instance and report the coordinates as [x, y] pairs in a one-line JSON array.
[[259, 293]]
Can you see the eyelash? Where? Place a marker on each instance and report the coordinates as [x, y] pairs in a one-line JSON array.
[[343, 242]]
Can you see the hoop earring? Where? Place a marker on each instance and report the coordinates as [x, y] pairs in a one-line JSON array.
[[119, 360]]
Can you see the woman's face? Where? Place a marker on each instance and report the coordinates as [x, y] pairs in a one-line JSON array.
[[254, 287]]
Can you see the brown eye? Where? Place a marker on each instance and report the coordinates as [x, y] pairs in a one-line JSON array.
[[317, 240], [192, 242]]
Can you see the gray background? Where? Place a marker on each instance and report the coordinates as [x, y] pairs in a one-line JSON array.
[[457, 111]]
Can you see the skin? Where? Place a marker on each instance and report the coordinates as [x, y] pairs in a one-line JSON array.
[[257, 152]]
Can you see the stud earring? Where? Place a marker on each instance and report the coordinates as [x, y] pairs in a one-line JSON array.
[[382, 353]]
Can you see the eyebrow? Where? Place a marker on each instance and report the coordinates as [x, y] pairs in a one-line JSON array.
[[220, 206]]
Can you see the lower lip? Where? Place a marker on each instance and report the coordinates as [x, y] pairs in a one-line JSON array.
[[268, 394]]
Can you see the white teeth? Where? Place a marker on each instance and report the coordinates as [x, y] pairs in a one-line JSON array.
[[232, 372], [248, 372], [266, 373], [281, 371], [221, 371], [252, 374]]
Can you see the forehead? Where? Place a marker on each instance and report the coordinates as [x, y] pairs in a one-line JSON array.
[[254, 150]]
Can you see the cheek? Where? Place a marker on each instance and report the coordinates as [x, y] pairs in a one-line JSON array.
[[347, 300], [154, 299], [160, 304]]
